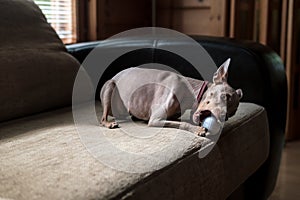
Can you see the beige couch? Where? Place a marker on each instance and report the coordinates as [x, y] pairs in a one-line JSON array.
[[43, 156]]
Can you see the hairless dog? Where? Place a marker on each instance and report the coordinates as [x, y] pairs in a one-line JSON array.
[[160, 97]]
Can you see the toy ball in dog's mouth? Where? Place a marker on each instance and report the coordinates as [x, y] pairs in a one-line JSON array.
[[212, 125]]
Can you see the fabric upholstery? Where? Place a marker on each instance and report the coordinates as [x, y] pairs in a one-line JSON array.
[[37, 73], [42, 157]]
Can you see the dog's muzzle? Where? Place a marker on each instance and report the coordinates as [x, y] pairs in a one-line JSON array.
[[198, 117]]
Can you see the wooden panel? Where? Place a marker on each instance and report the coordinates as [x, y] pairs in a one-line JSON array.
[[284, 15], [115, 16], [82, 21], [273, 17], [289, 71], [192, 3], [274, 24], [92, 20], [242, 19], [164, 17], [232, 18], [206, 17], [293, 70], [165, 4], [188, 21], [164, 13], [220, 16], [263, 21]]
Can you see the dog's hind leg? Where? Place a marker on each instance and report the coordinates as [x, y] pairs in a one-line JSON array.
[[106, 100]]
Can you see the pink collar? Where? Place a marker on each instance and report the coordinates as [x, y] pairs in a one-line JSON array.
[[201, 91]]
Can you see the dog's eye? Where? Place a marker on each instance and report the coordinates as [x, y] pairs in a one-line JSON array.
[[223, 97], [226, 97]]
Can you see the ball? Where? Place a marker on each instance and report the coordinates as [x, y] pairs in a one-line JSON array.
[[212, 125]]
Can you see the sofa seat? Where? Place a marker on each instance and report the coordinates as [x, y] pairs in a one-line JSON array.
[[43, 157]]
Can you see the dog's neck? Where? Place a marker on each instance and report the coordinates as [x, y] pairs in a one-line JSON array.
[[199, 87]]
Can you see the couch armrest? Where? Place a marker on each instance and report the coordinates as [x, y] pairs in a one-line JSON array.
[[81, 50]]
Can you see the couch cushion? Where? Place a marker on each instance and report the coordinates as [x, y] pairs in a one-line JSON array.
[[36, 71], [43, 157]]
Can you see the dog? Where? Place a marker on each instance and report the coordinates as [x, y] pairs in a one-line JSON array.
[[160, 97]]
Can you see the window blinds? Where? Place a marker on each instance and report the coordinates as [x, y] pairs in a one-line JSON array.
[[61, 15]]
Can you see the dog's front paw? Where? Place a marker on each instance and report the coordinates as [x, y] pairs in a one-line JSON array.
[[201, 131], [110, 125], [113, 125]]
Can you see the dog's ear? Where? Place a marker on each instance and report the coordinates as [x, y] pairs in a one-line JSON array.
[[239, 93], [222, 73]]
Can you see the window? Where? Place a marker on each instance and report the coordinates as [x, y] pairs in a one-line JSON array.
[[61, 15]]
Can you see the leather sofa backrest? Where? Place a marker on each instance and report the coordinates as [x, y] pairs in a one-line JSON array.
[[37, 73]]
